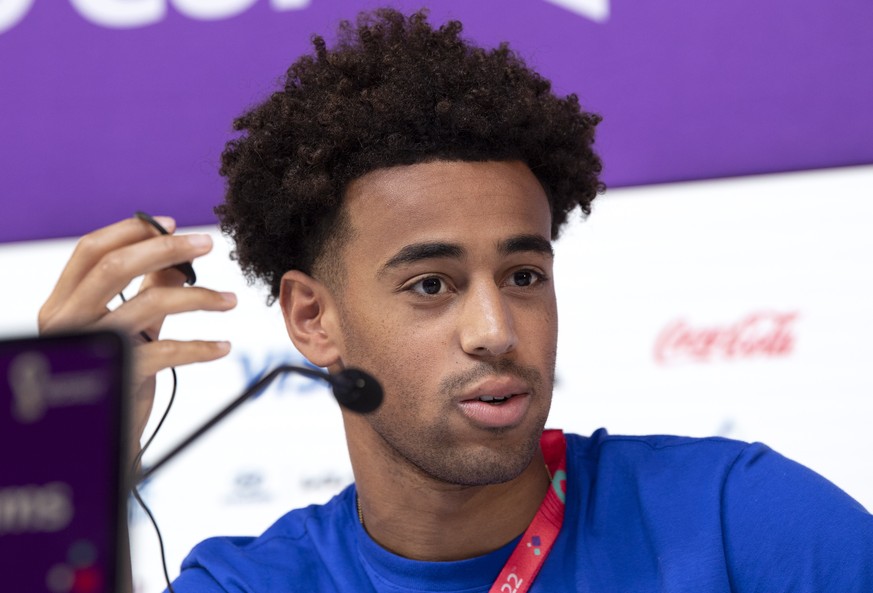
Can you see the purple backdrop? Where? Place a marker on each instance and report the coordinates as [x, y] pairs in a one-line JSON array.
[[98, 121]]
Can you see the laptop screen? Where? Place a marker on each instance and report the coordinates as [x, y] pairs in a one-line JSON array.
[[62, 492]]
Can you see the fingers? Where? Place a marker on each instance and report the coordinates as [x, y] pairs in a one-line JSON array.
[[93, 246], [103, 263], [116, 269], [169, 277], [156, 356], [165, 277], [151, 305], [113, 270]]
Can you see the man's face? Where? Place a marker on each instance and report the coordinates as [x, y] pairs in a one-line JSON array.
[[448, 300]]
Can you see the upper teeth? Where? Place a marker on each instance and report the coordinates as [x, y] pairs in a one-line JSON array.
[[491, 398]]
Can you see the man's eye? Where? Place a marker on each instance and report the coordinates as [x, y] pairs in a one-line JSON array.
[[429, 286], [525, 278]]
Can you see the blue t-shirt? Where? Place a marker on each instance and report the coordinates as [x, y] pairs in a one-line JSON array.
[[644, 514]]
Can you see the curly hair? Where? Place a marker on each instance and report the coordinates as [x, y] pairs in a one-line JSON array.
[[392, 91]]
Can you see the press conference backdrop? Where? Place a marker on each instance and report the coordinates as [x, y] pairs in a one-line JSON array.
[[735, 307], [738, 308]]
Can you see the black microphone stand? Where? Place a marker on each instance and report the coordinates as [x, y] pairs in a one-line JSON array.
[[256, 388]]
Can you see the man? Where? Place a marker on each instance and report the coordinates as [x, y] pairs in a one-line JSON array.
[[399, 196]]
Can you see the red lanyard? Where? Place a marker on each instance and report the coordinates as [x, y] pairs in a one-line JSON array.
[[529, 555]]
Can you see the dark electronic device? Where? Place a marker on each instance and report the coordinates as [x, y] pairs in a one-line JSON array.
[[63, 486]]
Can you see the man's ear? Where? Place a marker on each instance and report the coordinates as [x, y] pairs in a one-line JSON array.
[[311, 318]]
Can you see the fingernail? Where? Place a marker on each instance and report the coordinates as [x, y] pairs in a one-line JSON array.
[[199, 240], [228, 296], [223, 346]]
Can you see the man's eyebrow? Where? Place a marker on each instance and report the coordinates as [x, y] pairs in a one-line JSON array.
[[420, 251], [521, 243]]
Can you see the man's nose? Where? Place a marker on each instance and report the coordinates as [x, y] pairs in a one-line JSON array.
[[486, 324]]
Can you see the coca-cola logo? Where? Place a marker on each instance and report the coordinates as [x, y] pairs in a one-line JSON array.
[[760, 334]]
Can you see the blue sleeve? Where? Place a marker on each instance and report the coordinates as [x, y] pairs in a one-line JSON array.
[[209, 567], [196, 580], [789, 530]]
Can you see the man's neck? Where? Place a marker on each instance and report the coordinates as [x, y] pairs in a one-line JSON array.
[[423, 519]]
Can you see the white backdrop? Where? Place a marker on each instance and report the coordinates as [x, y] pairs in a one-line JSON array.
[[736, 307]]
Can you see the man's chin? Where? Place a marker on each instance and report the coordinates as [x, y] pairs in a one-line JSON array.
[[481, 465]]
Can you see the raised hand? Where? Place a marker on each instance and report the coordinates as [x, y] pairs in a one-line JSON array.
[[104, 263]]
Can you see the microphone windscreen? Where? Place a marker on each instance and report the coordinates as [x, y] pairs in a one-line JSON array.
[[356, 390]]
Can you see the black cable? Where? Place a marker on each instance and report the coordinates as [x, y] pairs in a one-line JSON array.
[[148, 512], [138, 459]]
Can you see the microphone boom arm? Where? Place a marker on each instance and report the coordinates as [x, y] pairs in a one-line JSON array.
[[253, 390]]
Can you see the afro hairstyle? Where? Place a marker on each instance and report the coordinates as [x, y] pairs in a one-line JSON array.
[[393, 90]]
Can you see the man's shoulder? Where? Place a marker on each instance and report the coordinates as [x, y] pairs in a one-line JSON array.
[[318, 537], [693, 469], [715, 508], [602, 447]]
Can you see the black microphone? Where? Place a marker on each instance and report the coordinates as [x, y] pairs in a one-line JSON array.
[[353, 389], [356, 390]]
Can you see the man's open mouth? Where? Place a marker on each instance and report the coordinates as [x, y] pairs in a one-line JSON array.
[[493, 399]]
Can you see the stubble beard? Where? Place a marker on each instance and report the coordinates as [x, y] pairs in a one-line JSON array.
[[432, 448], [454, 464]]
